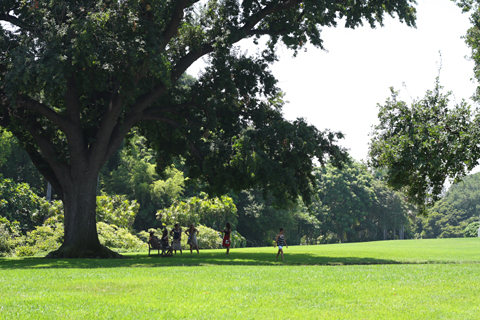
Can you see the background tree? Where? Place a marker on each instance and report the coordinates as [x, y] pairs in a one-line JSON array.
[[213, 213], [424, 144], [449, 217], [77, 76], [345, 198], [133, 173], [429, 142], [391, 214], [18, 167], [259, 219]]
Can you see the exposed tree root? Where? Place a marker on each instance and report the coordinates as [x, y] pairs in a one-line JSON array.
[[72, 252]]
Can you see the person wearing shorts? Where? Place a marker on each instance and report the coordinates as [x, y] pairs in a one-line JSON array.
[[280, 242]]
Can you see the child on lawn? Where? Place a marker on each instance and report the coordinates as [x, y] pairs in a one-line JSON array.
[[280, 242]]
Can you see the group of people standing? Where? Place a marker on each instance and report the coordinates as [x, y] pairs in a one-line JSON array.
[[192, 233]]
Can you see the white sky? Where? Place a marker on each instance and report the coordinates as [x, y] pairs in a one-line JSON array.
[[340, 89]]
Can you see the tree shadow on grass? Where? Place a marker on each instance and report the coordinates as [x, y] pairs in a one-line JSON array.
[[205, 258]]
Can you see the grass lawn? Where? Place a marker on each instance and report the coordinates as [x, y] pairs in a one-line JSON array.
[[411, 279]]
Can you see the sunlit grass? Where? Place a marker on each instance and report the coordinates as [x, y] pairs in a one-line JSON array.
[[428, 279]]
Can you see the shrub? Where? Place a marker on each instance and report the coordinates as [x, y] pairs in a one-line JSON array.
[[6, 243], [25, 251], [50, 213], [471, 230], [144, 236], [237, 240], [19, 203], [117, 210], [212, 212], [208, 238], [119, 239], [9, 232], [47, 237]]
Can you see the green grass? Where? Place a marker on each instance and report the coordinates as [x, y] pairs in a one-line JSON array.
[[428, 279]]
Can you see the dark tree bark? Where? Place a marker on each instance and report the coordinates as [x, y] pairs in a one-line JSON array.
[[79, 201]]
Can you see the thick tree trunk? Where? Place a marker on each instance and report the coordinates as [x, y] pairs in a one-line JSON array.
[[81, 238]]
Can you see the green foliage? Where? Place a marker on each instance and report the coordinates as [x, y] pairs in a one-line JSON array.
[[5, 145], [119, 239], [472, 38], [25, 251], [144, 235], [117, 210], [237, 241], [8, 234], [19, 203], [208, 238], [17, 165], [76, 77], [454, 212], [213, 213], [52, 213], [45, 238], [259, 219], [345, 199], [422, 145], [471, 230], [390, 211], [135, 176]]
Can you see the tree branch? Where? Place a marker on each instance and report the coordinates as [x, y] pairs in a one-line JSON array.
[[42, 166], [262, 32], [51, 156], [196, 152], [108, 125], [185, 62], [177, 17], [16, 22], [35, 106]]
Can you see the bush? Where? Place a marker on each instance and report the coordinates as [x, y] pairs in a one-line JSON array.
[[237, 240], [119, 239], [144, 235], [25, 251], [6, 243], [8, 235], [208, 238], [212, 212], [19, 203], [117, 210], [46, 237], [471, 231]]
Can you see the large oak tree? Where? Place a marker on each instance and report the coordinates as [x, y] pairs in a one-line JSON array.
[[77, 75]]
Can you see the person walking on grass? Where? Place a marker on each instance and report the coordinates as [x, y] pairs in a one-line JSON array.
[[226, 237], [280, 242], [192, 237], [177, 238]]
